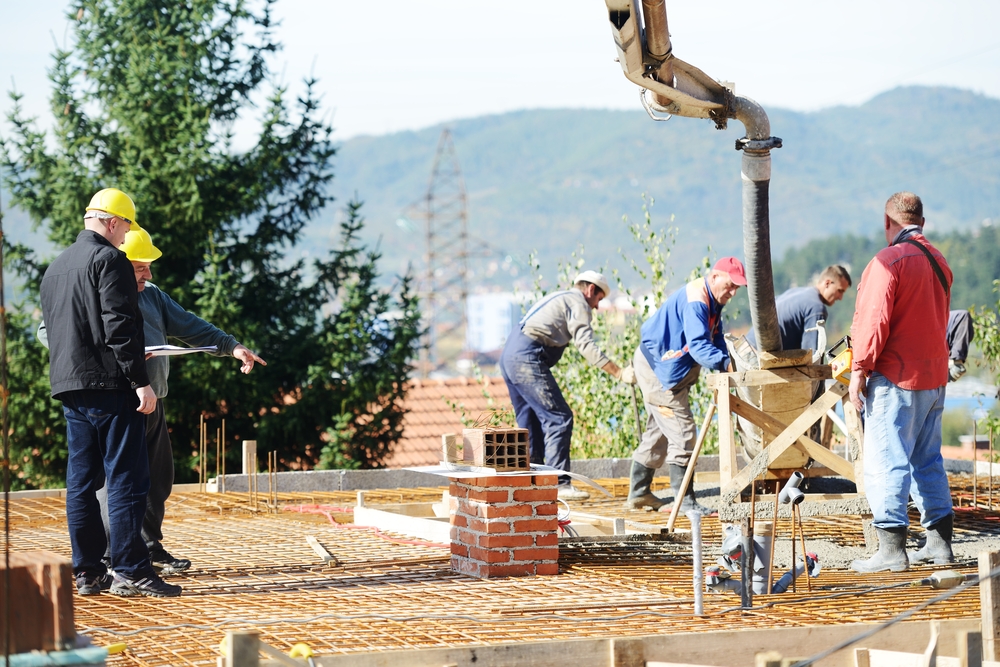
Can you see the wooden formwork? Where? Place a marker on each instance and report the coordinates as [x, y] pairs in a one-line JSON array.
[[785, 420]]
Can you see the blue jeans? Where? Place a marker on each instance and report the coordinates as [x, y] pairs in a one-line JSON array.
[[538, 403], [106, 440], [903, 453]]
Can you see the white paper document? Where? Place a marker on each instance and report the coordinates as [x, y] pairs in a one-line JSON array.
[[174, 350]]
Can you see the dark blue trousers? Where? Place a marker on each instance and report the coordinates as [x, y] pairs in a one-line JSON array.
[[106, 441], [538, 403]]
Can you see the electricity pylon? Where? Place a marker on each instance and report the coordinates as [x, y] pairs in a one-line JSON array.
[[445, 284]]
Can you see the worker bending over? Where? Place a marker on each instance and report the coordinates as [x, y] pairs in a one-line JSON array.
[[533, 348], [898, 378], [683, 335]]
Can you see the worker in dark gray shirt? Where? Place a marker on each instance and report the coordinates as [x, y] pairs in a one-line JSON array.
[[533, 348], [959, 337], [802, 311]]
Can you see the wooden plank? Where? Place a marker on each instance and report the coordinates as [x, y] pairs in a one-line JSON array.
[[809, 373], [719, 648], [856, 433], [41, 609], [970, 649], [242, 649], [431, 529], [784, 359], [878, 658], [713, 476], [627, 653], [320, 550], [727, 448], [989, 603], [787, 438], [609, 522]]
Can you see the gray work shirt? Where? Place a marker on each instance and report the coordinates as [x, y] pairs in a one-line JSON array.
[[163, 317], [562, 317]]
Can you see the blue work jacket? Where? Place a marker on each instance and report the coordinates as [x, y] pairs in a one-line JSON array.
[[686, 330]]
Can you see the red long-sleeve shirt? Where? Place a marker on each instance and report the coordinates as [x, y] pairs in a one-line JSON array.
[[901, 318]]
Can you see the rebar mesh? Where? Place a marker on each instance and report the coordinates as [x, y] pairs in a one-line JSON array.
[[253, 563]]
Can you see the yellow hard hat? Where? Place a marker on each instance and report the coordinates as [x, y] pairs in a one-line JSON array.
[[115, 202], [138, 246]]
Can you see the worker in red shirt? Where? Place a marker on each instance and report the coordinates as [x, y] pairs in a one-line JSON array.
[[898, 379]]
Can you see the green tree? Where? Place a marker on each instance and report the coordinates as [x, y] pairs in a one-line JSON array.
[[145, 100], [986, 325]]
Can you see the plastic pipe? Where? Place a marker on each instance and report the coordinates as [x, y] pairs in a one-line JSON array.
[[756, 175], [698, 579], [790, 493]]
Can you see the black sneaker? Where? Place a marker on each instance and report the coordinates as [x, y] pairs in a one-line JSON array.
[[167, 564], [153, 587], [92, 585]]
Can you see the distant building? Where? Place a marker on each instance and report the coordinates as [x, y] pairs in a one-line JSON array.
[[490, 316]]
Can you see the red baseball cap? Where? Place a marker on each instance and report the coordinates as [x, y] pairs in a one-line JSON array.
[[734, 268]]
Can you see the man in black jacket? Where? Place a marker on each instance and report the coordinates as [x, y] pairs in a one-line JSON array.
[[97, 369]]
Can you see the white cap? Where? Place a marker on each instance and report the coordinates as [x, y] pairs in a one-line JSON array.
[[595, 278]]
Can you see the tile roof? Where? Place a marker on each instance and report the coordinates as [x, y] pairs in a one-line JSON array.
[[430, 416]]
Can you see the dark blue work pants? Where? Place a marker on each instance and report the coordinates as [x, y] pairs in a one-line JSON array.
[[106, 441], [538, 403]]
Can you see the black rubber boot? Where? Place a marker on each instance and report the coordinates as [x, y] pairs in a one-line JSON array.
[[689, 502], [937, 549], [891, 554], [640, 494]]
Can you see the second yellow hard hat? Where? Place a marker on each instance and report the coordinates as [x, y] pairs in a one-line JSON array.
[[138, 246]]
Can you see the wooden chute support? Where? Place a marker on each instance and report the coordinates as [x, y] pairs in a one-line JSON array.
[[786, 447]]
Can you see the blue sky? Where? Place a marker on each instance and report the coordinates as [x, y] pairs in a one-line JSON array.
[[406, 64]]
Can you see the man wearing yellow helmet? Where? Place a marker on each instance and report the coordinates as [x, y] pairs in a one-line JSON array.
[[97, 369], [164, 318]]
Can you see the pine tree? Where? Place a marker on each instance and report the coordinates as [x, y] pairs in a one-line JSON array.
[[145, 100]]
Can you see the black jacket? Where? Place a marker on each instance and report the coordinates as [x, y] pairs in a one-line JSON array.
[[90, 302]]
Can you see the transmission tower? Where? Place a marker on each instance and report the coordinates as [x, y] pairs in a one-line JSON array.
[[445, 287]]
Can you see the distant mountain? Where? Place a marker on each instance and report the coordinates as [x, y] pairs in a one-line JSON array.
[[548, 180]]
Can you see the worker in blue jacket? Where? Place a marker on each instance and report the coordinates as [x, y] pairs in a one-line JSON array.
[[683, 335]]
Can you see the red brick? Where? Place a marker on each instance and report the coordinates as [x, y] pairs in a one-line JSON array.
[[490, 555], [546, 568], [489, 526], [458, 491], [491, 496], [459, 520], [505, 481], [528, 495], [545, 553], [459, 549], [549, 540], [548, 509], [516, 570], [467, 537], [497, 541], [535, 525], [467, 507], [469, 567], [501, 511], [546, 480]]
